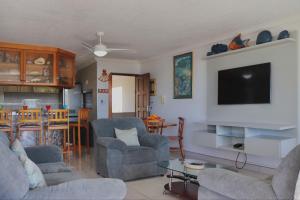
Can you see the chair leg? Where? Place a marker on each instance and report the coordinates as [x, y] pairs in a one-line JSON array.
[[40, 133], [181, 149], [88, 139], [79, 141], [74, 139], [68, 138], [64, 141], [11, 135]]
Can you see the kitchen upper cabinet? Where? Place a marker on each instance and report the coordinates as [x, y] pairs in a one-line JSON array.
[[10, 65], [36, 66], [39, 68], [66, 75]]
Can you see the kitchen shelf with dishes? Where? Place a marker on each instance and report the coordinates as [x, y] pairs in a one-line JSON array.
[[32, 65], [262, 139]]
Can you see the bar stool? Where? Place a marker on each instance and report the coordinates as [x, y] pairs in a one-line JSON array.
[[30, 120], [58, 119], [82, 122], [6, 123]]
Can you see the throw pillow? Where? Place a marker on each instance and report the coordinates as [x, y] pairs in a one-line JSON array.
[[33, 172], [129, 137], [18, 148]]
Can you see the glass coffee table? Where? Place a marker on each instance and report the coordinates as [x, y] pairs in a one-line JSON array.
[[186, 184]]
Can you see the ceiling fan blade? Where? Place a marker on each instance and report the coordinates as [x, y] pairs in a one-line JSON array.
[[113, 49], [89, 47]]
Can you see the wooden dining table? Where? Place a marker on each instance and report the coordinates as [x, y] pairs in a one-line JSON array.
[[157, 125]]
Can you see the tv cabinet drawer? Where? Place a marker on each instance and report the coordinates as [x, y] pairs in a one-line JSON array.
[[271, 147]]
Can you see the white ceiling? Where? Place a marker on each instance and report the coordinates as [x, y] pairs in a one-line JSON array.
[[150, 27]]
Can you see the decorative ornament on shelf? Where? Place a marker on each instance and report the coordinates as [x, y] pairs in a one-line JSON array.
[[39, 61], [217, 48], [238, 43], [264, 37], [283, 35], [104, 77]]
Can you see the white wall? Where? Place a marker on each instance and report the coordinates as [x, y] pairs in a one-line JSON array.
[[112, 65], [125, 101], [285, 101]]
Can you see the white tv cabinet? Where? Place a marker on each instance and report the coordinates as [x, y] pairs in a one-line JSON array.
[[272, 140]]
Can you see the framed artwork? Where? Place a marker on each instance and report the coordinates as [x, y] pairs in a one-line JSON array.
[[183, 76], [152, 87]]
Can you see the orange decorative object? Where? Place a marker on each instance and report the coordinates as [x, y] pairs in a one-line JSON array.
[[236, 43], [154, 117]]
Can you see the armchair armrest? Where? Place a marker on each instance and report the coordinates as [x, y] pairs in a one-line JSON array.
[[154, 141], [111, 143], [44, 154], [235, 185]]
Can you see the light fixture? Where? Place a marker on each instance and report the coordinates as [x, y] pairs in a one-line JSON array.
[[100, 50]]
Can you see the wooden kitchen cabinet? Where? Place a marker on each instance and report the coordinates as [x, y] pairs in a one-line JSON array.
[[32, 65], [10, 65]]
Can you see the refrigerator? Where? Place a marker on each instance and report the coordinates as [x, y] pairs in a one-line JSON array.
[[73, 100]]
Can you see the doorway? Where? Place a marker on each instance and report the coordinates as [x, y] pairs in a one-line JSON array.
[[129, 95]]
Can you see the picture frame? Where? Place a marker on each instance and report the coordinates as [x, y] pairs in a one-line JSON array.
[[183, 76], [152, 87]]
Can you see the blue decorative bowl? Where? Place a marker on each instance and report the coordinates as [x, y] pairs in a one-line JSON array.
[[264, 37], [219, 48], [283, 34]]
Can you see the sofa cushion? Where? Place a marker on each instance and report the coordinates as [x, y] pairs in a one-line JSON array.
[[13, 180], [139, 154], [56, 167], [58, 178], [128, 136], [284, 181], [235, 185], [92, 189], [4, 138]]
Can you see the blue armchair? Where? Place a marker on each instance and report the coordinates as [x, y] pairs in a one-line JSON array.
[[114, 159]]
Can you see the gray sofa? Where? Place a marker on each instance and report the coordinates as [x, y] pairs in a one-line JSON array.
[[224, 184], [62, 182], [114, 159]]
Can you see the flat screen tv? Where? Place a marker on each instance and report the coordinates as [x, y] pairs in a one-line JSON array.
[[245, 85]]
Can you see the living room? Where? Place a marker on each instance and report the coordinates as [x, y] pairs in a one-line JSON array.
[[215, 113]]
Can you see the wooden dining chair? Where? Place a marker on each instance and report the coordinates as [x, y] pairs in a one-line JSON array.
[[58, 119], [30, 120], [179, 137], [6, 123], [82, 122]]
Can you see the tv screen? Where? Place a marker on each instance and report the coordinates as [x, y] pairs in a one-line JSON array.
[[245, 85]]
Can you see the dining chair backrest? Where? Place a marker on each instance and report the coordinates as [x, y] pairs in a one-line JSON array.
[[6, 117], [180, 127], [58, 116], [83, 115], [33, 116]]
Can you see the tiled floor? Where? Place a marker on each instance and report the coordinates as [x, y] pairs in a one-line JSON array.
[[149, 188]]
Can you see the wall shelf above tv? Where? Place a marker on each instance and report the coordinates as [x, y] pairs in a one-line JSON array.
[[276, 42]]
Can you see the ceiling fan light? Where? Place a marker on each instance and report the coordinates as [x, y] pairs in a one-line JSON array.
[[100, 53]]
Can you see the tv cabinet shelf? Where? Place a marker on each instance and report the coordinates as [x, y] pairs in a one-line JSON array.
[[276, 42], [262, 139]]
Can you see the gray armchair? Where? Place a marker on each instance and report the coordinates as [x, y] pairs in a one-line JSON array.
[[224, 184], [114, 159]]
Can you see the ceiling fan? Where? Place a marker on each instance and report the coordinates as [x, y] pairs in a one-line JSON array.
[[100, 49]]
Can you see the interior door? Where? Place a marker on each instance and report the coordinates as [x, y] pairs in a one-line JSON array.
[[142, 96]]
